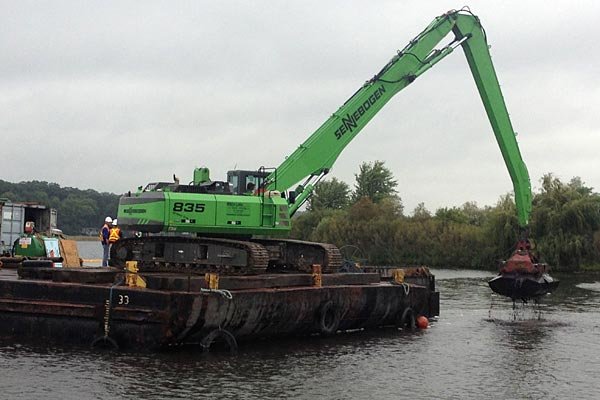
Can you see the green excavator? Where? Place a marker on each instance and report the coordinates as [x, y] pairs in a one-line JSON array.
[[239, 226]]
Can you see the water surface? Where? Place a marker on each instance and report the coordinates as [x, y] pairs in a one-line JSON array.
[[469, 353]]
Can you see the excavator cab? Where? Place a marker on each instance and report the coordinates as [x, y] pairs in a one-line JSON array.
[[243, 182]]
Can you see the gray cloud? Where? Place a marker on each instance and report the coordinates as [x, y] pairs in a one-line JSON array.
[[161, 87]]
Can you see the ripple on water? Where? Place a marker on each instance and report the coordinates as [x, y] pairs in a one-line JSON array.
[[469, 353], [595, 286]]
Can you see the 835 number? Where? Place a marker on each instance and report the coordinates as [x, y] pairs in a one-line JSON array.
[[188, 207]]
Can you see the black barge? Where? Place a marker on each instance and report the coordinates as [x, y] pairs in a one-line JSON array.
[[96, 307]]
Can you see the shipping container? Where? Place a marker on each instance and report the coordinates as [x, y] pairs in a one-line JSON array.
[[13, 218]]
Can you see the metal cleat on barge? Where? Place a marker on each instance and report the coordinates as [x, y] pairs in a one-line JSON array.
[[523, 277]]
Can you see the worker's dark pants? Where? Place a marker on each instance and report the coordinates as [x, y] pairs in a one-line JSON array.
[[106, 249]]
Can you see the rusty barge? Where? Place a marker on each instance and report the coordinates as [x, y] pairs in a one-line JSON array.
[[95, 306]]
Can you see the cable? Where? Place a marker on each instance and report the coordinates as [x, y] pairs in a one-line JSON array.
[[401, 53], [223, 292], [406, 288]]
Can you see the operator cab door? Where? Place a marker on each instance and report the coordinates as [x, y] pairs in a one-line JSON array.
[[246, 182], [251, 208]]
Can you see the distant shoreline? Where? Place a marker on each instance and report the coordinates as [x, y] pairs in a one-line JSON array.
[[83, 238]]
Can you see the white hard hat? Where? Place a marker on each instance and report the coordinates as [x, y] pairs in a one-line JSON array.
[[115, 221], [108, 220]]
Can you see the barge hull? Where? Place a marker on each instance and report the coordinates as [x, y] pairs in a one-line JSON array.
[[150, 319]]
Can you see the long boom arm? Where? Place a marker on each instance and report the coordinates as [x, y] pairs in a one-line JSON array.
[[315, 157]]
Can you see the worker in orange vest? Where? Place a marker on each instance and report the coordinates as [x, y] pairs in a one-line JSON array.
[[115, 233]]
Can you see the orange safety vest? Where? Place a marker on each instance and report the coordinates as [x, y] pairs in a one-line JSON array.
[[114, 235]]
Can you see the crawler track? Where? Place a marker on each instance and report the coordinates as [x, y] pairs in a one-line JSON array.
[[225, 256], [191, 255], [299, 255]]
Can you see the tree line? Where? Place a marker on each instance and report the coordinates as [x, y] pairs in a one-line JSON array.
[[564, 225], [76, 208]]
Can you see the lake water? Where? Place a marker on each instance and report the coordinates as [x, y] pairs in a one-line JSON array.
[[469, 353], [89, 249]]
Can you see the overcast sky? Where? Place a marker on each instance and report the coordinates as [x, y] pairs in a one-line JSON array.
[[112, 95]]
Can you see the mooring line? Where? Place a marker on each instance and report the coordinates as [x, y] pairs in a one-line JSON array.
[[223, 292], [406, 288]]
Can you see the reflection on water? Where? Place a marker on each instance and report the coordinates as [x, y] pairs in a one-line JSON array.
[[465, 354], [595, 286]]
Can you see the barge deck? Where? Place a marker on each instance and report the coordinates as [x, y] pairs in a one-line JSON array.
[[92, 306]]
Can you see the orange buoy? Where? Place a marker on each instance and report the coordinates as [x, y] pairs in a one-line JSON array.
[[422, 322]]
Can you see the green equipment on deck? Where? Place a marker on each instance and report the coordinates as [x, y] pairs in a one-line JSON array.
[[262, 202]]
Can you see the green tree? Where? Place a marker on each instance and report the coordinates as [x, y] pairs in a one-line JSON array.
[[333, 194], [421, 212], [305, 223], [10, 196], [76, 208], [451, 215], [474, 214], [565, 222], [375, 181], [501, 228]]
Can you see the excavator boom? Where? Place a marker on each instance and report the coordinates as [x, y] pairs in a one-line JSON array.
[[315, 157]]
